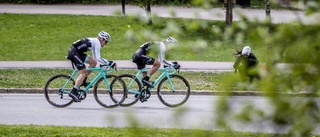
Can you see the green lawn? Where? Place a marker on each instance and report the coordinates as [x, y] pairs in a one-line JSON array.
[[59, 131], [48, 37], [36, 78]]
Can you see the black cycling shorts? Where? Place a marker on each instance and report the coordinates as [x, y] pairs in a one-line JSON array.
[[78, 59], [142, 60]]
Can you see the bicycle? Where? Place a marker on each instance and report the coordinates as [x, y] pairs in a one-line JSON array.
[[173, 90], [108, 95]]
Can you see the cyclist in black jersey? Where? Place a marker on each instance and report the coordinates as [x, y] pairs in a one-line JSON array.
[[141, 59], [77, 55]]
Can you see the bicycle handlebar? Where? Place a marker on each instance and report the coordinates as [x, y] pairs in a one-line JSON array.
[[108, 68], [171, 70]]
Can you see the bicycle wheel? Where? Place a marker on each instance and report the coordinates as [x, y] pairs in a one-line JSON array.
[[54, 93], [106, 98], [133, 90], [176, 94]]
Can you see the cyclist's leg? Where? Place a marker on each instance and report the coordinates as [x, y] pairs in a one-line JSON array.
[[149, 61], [78, 60], [156, 65], [92, 63]]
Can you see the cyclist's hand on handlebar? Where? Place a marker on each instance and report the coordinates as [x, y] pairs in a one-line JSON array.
[[176, 65], [112, 64]]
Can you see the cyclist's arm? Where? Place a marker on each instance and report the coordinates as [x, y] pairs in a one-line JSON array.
[[161, 55], [96, 52]]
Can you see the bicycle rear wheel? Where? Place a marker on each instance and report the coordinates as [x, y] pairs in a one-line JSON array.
[[175, 94], [133, 90], [106, 98], [54, 93]]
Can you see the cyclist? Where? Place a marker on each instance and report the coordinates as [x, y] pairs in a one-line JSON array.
[[141, 59], [77, 55], [247, 64]]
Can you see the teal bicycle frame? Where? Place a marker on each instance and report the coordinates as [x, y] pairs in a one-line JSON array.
[[102, 73], [166, 73]]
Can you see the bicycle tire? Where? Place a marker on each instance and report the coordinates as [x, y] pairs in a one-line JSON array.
[[52, 91], [179, 96], [131, 98], [106, 98]]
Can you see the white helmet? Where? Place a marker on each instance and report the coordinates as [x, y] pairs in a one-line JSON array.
[[246, 50], [104, 35], [171, 40]]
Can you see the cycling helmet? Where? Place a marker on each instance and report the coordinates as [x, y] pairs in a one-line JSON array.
[[171, 40], [246, 50], [104, 35]]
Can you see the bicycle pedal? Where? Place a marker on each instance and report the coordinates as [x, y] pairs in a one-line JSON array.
[[143, 100]]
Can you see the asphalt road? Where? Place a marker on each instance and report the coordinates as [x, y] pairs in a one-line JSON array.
[[199, 112]]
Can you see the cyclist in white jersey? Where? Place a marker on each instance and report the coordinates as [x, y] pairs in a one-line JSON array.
[[141, 59], [77, 55]]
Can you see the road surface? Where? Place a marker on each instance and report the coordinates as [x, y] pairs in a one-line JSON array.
[[199, 112]]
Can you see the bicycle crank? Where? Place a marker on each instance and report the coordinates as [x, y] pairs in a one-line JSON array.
[[145, 94], [82, 95]]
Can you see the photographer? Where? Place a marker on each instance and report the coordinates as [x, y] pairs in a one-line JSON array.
[[247, 64]]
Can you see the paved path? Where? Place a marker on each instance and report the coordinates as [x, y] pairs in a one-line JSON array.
[[122, 64], [278, 16]]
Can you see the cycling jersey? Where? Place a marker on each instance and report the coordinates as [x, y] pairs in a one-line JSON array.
[[77, 52], [161, 51], [92, 44]]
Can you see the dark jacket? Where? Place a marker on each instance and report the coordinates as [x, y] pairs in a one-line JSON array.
[[249, 61]]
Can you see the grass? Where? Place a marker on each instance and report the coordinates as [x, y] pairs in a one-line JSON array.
[[59, 131], [48, 37], [36, 78]]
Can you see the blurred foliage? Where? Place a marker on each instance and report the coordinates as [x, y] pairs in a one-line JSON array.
[[296, 44]]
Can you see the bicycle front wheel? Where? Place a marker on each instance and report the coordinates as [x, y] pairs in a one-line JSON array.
[[133, 89], [173, 92], [110, 98], [56, 93]]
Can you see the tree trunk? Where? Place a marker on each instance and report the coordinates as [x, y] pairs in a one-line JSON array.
[[268, 15], [148, 8], [123, 7], [229, 13]]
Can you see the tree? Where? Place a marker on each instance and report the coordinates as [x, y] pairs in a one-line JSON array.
[[268, 16], [123, 6], [146, 6], [148, 10], [229, 13]]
